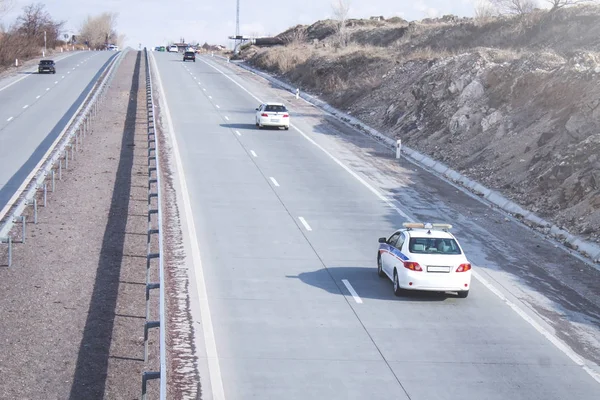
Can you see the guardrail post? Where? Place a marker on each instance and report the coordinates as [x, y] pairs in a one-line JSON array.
[[147, 376], [24, 227], [35, 210], [9, 252]]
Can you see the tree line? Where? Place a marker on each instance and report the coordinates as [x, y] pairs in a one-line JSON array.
[[35, 31]]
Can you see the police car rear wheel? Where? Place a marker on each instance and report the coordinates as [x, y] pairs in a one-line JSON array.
[[380, 267], [398, 291]]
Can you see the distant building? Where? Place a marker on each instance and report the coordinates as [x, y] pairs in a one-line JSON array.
[[379, 18]]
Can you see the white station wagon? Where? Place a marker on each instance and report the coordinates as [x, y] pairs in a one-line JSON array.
[[272, 114], [424, 257]]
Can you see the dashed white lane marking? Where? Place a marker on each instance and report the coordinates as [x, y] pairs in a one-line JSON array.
[[274, 181], [306, 225], [68, 72], [543, 331], [62, 77], [227, 118], [55, 82], [10, 119], [253, 153], [47, 88], [204, 89], [25, 106], [238, 133], [352, 291], [217, 106], [210, 97], [38, 96]]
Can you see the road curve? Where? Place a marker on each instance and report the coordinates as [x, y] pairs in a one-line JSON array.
[[35, 108], [286, 227]]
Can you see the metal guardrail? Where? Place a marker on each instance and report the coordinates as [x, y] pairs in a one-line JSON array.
[[69, 141], [154, 228]]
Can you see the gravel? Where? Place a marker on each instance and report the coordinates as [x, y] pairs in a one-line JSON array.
[[73, 303]]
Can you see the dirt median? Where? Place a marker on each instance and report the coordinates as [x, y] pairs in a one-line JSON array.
[[72, 305]]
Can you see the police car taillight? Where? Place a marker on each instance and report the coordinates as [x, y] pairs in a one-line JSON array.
[[464, 267], [413, 266]]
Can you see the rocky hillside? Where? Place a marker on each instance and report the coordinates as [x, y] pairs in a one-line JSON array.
[[511, 102]]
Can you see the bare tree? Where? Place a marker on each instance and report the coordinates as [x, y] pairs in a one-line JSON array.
[[5, 6], [35, 22], [558, 4], [341, 8], [515, 7], [484, 10], [100, 30]]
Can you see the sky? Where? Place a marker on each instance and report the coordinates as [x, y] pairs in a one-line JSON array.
[[156, 22]]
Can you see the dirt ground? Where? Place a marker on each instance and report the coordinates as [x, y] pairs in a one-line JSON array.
[[73, 303], [508, 102]]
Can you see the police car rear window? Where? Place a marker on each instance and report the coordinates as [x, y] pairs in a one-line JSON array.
[[433, 246]]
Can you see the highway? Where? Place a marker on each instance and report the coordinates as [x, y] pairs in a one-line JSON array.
[[282, 229], [35, 108]]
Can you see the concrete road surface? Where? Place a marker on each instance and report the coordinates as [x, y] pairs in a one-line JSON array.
[[35, 108], [284, 256]]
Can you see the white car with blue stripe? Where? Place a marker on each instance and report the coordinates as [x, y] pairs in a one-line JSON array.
[[424, 257]]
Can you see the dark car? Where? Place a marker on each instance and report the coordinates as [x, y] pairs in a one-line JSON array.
[[47, 66], [189, 55]]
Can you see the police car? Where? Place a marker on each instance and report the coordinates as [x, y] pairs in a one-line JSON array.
[[424, 256]]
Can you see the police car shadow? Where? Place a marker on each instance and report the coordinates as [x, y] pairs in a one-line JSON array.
[[365, 282]]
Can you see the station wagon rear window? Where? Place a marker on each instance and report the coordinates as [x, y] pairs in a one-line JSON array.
[[433, 246], [273, 108]]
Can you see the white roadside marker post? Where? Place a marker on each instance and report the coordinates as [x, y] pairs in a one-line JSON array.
[[398, 148]]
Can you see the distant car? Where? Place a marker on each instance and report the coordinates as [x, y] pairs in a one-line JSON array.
[[424, 257], [173, 49], [189, 55], [162, 48], [272, 114], [47, 66]]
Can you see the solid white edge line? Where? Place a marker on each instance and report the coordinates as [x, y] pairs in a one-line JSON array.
[[216, 380], [274, 181], [306, 225], [543, 331], [559, 344], [352, 291], [253, 153]]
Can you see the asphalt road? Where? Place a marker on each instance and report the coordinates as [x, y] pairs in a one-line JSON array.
[[35, 108], [285, 233]]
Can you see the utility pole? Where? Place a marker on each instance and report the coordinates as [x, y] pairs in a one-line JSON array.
[[237, 26]]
